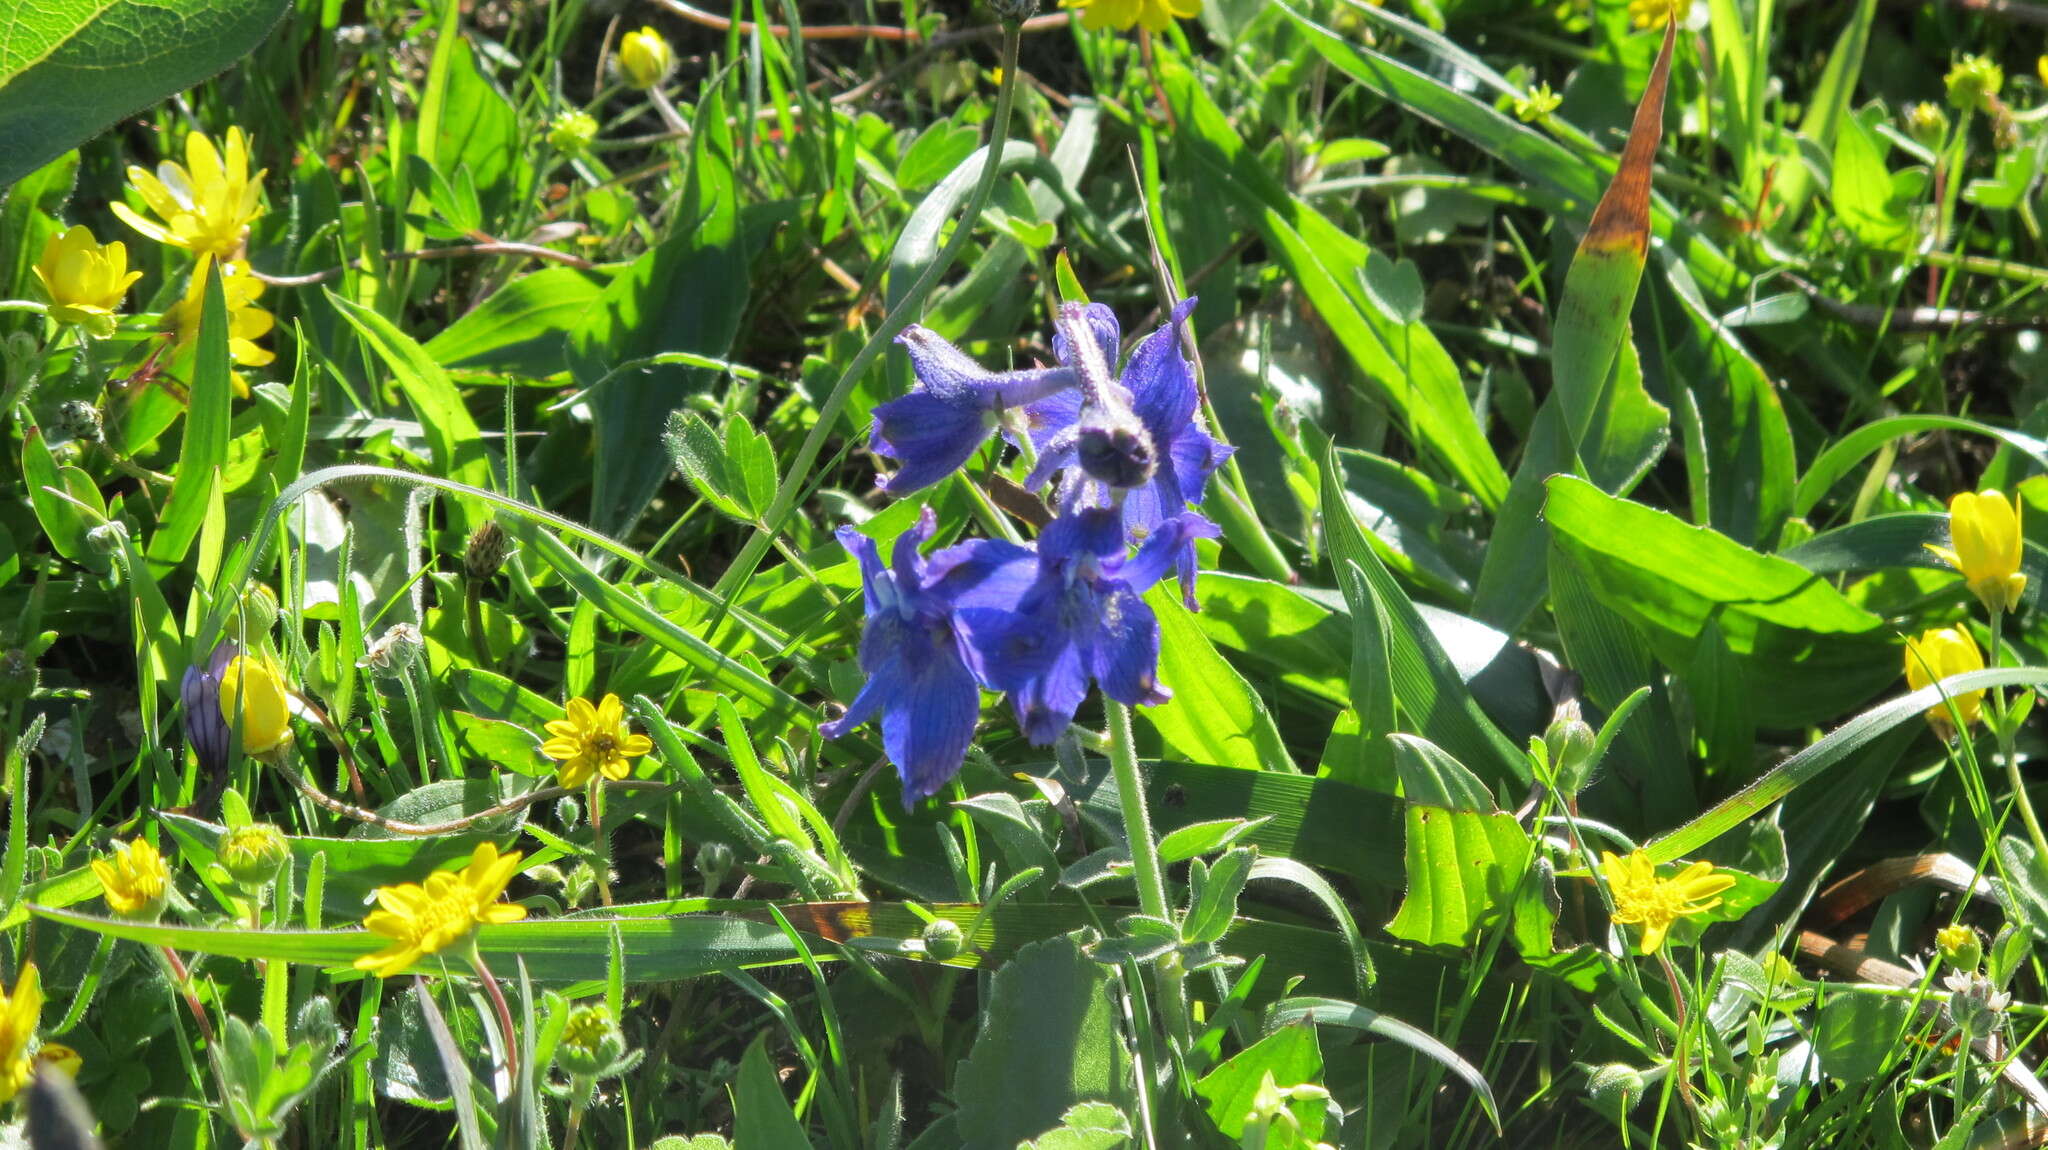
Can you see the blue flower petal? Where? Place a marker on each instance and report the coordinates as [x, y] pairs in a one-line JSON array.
[[1125, 656], [1102, 322]]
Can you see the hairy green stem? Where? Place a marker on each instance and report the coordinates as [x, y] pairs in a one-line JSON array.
[[1130, 794], [2002, 727], [798, 473]]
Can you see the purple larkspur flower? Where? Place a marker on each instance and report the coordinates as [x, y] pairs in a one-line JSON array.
[[1157, 391], [935, 429], [921, 679], [206, 729], [1082, 619]]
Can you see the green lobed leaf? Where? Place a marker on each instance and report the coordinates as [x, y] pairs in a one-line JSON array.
[[1051, 997]]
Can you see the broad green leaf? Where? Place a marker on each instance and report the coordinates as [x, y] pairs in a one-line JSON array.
[[520, 327], [1629, 434], [1290, 1055], [686, 294], [761, 1115], [1464, 869], [1433, 778], [1811, 653], [1051, 997], [1862, 188], [70, 68], [1857, 1036], [64, 523], [1214, 715]]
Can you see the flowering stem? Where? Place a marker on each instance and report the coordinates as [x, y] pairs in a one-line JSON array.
[[483, 973], [184, 980], [827, 423], [1130, 794], [2002, 727], [602, 842]]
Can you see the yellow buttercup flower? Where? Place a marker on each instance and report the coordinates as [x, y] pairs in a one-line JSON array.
[[247, 323], [1938, 653], [265, 719], [645, 59], [85, 280], [135, 881], [60, 1058], [205, 205], [19, 1013], [1643, 899], [1985, 528], [1152, 15], [426, 919], [594, 740], [1656, 13]]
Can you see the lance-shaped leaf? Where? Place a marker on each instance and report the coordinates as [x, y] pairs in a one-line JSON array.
[[1592, 317]]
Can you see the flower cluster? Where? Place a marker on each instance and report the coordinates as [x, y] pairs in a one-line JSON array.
[[1126, 455]]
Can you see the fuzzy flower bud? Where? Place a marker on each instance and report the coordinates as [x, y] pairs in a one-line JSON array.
[[485, 553], [943, 939], [79, 419], [1927, 124], [254, 853], [1570, 741], [106, 539]]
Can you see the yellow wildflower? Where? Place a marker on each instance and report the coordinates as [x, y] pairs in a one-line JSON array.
[[1540, 102], [1152, 15], [60, 1058], [261, 713], [1985, 528], [1938, 653], [206, 204], [1643, 899], [426, 919], [135, 881], [247, 323], [594, 740], [85, 280], [19, 1012], [1656, 13], [645, 59]]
